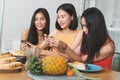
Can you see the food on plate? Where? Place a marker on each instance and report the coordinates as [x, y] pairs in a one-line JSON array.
[[5, 55], [7, 60], [11, 65], [78, 65], [69, 72], [51, 65], [18, 53]]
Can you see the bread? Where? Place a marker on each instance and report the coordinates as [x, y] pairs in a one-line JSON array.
[[7, 60], [11, 65], [79, 65], [5, 55], [18, 53]]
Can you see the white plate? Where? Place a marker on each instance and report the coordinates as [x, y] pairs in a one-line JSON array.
[[92, 68]]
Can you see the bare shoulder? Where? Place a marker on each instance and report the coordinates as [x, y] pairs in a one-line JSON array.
[[24, 34], [109, 47], [111, 44], [25, 31], [79, 33], [79, 30]]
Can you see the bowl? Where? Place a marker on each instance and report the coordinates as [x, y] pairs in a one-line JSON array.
[[20, 58]]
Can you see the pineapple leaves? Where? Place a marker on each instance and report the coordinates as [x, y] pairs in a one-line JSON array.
[[33, 65]]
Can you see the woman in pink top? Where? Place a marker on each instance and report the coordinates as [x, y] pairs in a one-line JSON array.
[[97, 46]]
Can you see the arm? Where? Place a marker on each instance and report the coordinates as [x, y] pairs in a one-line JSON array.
[[45, 43], [73, 56], [24, 34], [106, 51], [23, 39], [77, 40], [65, 51]]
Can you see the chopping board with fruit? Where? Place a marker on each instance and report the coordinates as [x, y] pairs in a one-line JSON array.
[[52, 68]]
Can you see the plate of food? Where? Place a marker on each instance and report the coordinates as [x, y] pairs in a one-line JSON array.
[[53, 77], [8, 63], [85, 67], [20, 55]]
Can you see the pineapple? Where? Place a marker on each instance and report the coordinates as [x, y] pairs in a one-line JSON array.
[[54, 65], [51, 65]]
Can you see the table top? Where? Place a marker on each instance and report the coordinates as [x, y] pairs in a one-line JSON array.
[[104, 75]]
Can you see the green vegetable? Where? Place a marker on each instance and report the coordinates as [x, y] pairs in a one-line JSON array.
[[79, 74], [33, 65]]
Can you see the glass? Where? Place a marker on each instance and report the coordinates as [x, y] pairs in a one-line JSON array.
[[28, 51], [32, 51]]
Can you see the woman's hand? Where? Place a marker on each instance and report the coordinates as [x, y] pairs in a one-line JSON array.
[[45, 43], [60, 45], [53, 42], [23, 46]]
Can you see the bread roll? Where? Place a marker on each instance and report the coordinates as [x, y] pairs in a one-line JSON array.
[[79, 65], [4, 55], [18, 53], [11, 65], [7, 60]]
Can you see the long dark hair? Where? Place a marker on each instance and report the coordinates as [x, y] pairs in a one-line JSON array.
[[97, 33], [33, 34], [70, 9]]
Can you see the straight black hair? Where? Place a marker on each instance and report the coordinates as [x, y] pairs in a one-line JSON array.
[[97, 33], [70, 9], [33, 34]]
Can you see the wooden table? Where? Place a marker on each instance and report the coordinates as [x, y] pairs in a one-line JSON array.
[[104, 75]]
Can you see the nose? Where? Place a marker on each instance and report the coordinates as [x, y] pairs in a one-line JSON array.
[[59, 19], [39, 21]]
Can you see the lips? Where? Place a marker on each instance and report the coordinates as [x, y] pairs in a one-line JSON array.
[[61, 24], [39, 26]]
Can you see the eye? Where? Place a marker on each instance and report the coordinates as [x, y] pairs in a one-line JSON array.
[[36, 19], [42, 19]]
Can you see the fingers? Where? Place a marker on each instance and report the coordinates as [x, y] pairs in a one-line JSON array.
[[54, 43], [23, 46], [50, 41], [26, 45], [29, 44], [45, 36]]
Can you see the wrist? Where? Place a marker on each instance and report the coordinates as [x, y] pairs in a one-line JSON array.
[[65, 47]]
